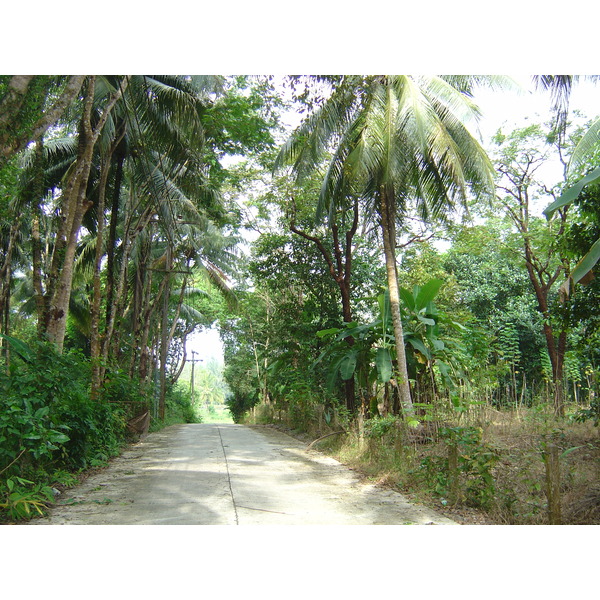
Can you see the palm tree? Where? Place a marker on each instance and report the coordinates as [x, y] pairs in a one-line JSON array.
[[394, 140], [30, 105], [146, 161]]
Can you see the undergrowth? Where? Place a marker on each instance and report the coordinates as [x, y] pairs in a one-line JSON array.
[[51, 431], [482, 465]]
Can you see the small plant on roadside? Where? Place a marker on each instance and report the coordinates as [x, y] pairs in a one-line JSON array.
[[64, 478], [380, 427], [23, 499], [475, 460]]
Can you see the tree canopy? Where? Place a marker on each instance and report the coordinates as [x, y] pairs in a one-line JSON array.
[[379, 260]]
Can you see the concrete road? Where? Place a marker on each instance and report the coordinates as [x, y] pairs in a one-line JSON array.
[[225, 474]]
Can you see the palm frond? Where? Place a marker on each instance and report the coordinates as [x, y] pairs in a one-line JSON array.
[[588, 143]]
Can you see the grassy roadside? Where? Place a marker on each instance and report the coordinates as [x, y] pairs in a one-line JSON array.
[[487, 467]]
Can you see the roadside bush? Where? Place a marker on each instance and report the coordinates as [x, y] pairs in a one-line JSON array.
[[299, 401], [119, 387], [178, 408], [240, 403], [31, 432], [122, 394], [96, 430], [47, 419], [470, 479]]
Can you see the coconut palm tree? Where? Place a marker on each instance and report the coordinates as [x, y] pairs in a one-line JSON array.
[[149, 146], [395, 140], [30, 105]]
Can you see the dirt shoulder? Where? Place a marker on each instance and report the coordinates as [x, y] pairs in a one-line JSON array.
[[462, 515]]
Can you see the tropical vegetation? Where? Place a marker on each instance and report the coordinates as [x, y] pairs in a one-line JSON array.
[[381, 277]]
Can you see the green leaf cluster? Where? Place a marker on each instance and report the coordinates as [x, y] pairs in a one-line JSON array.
[[476, 461], [23, 499], [47, 419]]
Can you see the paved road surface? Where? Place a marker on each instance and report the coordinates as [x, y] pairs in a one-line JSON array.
[[225, 474]]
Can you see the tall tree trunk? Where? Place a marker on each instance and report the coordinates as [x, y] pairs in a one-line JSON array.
[[5, 284], [138, 304], [6, 271], [95, 338], [388, 230], [36, 242], [117, 299], [74, 208], [144, 348], [112, 235], [164, 333]]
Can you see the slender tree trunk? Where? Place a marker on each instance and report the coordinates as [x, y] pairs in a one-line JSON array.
[[112, 235], [164, 333], [173, 327], [138, 305], [144, 348], [75, 206], [5, 284], [95, 338], [129, 235], [36, 243], [388, 230], [79, 171], [6, 271]]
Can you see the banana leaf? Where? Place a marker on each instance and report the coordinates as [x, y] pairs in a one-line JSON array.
[[587, 263], [571, 193], [383, 362], [426, 293]]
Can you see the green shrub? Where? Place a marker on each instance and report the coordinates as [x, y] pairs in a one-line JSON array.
[[381, 427], [239, 404], [47, 419], [121, 389], [30, 432], [96, 431], [178, 408], [475, 463], [23, 499]]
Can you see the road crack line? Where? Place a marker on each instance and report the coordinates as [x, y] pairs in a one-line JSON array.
[[264, 510], [237, 522]]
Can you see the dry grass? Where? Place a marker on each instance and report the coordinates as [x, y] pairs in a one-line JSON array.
[[518, 442], [521, 476], [509, 489]]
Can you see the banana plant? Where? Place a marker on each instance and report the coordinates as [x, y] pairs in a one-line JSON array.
[[588, 262], [373, 353], [423, 332]]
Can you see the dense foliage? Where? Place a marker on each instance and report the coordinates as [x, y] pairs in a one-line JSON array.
[[377, 268]]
